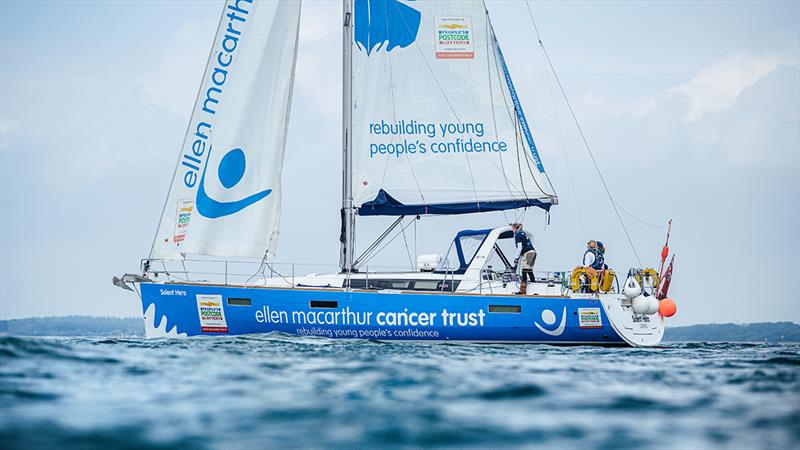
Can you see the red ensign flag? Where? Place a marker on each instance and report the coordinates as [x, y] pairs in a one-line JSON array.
[[664, 285]]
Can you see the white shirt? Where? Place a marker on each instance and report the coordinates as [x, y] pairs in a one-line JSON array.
[[588, 259]]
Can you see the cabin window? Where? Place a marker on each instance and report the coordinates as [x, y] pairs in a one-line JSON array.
[[324, 304], [406, 285], [381, 284], [435, 285], [357, 284], [470, 246], [233, 301], [427, 285], [389, 284], [507, 309]]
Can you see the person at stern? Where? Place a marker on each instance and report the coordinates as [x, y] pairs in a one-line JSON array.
[[527, 253]]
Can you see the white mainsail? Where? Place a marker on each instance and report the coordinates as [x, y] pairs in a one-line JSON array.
[[437, 125], [225, 195]]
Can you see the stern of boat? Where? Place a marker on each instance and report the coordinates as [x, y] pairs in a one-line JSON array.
[[638, 330]]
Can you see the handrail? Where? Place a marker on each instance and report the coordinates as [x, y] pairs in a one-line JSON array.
[[254, 273]]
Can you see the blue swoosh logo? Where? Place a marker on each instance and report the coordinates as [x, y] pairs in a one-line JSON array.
[[559, 330], [213, 209], [379, 22]]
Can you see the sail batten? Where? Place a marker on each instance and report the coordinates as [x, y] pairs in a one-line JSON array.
[[224, 199], [438, 126]]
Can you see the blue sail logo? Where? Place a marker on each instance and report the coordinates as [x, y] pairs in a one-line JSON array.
[[230, 172], [389, 22]]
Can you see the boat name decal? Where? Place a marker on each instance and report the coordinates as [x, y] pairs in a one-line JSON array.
[[178, 292]]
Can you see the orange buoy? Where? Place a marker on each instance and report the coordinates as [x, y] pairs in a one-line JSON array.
[[667, 307]]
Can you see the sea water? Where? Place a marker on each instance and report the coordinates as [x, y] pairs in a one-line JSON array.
[[272, 391]]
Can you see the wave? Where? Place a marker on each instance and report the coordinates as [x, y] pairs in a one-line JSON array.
[[275, 390]]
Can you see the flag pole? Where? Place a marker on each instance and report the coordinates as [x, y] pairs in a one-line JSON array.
[[664, 254]]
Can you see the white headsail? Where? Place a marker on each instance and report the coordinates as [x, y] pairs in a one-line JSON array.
[[437, 125], [225, 195]]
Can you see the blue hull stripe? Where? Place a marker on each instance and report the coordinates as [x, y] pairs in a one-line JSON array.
[[376, 315]]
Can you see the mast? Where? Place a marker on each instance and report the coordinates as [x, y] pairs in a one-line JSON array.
[[347, 237]]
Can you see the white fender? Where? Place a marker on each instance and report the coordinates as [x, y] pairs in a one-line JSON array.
[[632, 288], [640, 304], [652, 305]]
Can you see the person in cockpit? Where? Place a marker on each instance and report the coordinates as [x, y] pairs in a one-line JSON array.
[[527, 253]]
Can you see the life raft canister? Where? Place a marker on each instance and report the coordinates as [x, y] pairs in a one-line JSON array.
[[576, 278], [608, 280]]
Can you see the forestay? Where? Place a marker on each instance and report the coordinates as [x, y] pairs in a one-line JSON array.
[[225, 195], [437, 125]]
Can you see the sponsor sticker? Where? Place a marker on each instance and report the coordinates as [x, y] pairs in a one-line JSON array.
[[183, 215], [454, 38], [211, 313], [589, 318]]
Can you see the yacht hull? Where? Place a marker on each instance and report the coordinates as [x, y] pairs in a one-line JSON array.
[[186, 309]]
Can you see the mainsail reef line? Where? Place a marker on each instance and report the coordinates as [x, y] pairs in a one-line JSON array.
[[203, 120]]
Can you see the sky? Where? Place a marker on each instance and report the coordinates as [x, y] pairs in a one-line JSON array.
[[692, 110]]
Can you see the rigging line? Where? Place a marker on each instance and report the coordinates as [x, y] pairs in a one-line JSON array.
[[529, 153], [512, 117], [583, 136], [564, 150], [563, 144], [376, 252], [408, 251], [518, 131], [444, 95], [491, 101], [415, 240], [519, 165], [394, 116], [560, 134], [260, 268], [394, 112], [186, 134], [528, 162], [528, 159], [661, 227], [520, 138]]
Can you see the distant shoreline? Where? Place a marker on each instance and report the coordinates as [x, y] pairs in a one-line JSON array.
[[774, 332]]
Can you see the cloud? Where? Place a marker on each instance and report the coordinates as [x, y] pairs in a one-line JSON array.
[[7, 127], [637, 108], [717, 86]]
